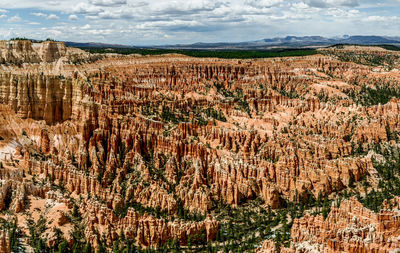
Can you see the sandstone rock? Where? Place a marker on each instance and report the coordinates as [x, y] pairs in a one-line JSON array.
[[51, 51], [145, 229], [4, 242], [18, 52], [348, 228], [175, 135]]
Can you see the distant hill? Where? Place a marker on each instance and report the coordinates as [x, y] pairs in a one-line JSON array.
[[95, 45], [264, 44], [291, 42], [371, 40]]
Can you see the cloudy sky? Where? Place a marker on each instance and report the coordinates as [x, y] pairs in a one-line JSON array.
[[154, 22]]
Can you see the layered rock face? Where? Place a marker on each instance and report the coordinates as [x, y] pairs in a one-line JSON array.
[[51, 51], [17, 52], [149, 148], [348, 228], [24, 51], [39, 97]]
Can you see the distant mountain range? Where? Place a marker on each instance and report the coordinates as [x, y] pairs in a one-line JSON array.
[[95, 45], [292, 42], [278, 42]]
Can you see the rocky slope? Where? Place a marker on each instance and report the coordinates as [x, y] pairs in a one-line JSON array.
[[151, 151], [348, 228]]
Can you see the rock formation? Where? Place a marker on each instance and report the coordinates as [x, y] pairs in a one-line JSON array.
[[4, 242], [150, 147], [348, 228]]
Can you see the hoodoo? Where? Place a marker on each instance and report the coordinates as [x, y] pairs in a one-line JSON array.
[[170, 152]]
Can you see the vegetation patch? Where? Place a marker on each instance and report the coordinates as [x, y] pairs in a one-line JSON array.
[[226, 54]]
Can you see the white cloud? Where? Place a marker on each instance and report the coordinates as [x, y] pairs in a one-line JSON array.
[[185, 21], [340, 13], [39, 14], [73, 17], [52, 17], [264, 3], [84, 8], [3, 16], [85, 27], [118, 14], [47, 16], [108, 2], [185, 6], [43, 5], [381, 19], [14, 19], [332, 3]]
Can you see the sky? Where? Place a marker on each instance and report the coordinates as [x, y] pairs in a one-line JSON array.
[[160, 22]]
